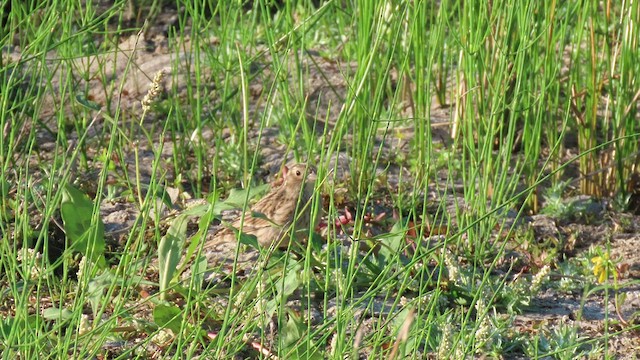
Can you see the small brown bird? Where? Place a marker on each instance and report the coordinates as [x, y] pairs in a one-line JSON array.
[[270, 219]]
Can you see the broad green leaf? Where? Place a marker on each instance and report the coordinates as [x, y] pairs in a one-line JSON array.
[[198, 269], [259, 215], [170, 251], [168, 317], [292, 331], [17, 327], [291, 334], [95, 291], [285, 286], [207, 213], [237, 198], [82, 234], [53, 313], [198, 210], [88, 103], [160, 192], [250, 240], [4, 185], [392, 244], [292, 280], [7, 325]]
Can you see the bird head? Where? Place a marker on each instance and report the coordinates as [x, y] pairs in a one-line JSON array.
[[299, 173]]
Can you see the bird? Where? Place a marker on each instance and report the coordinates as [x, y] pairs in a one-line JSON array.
[[270, 220]]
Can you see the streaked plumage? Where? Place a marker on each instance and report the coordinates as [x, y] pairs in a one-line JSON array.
[[270, 219]]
